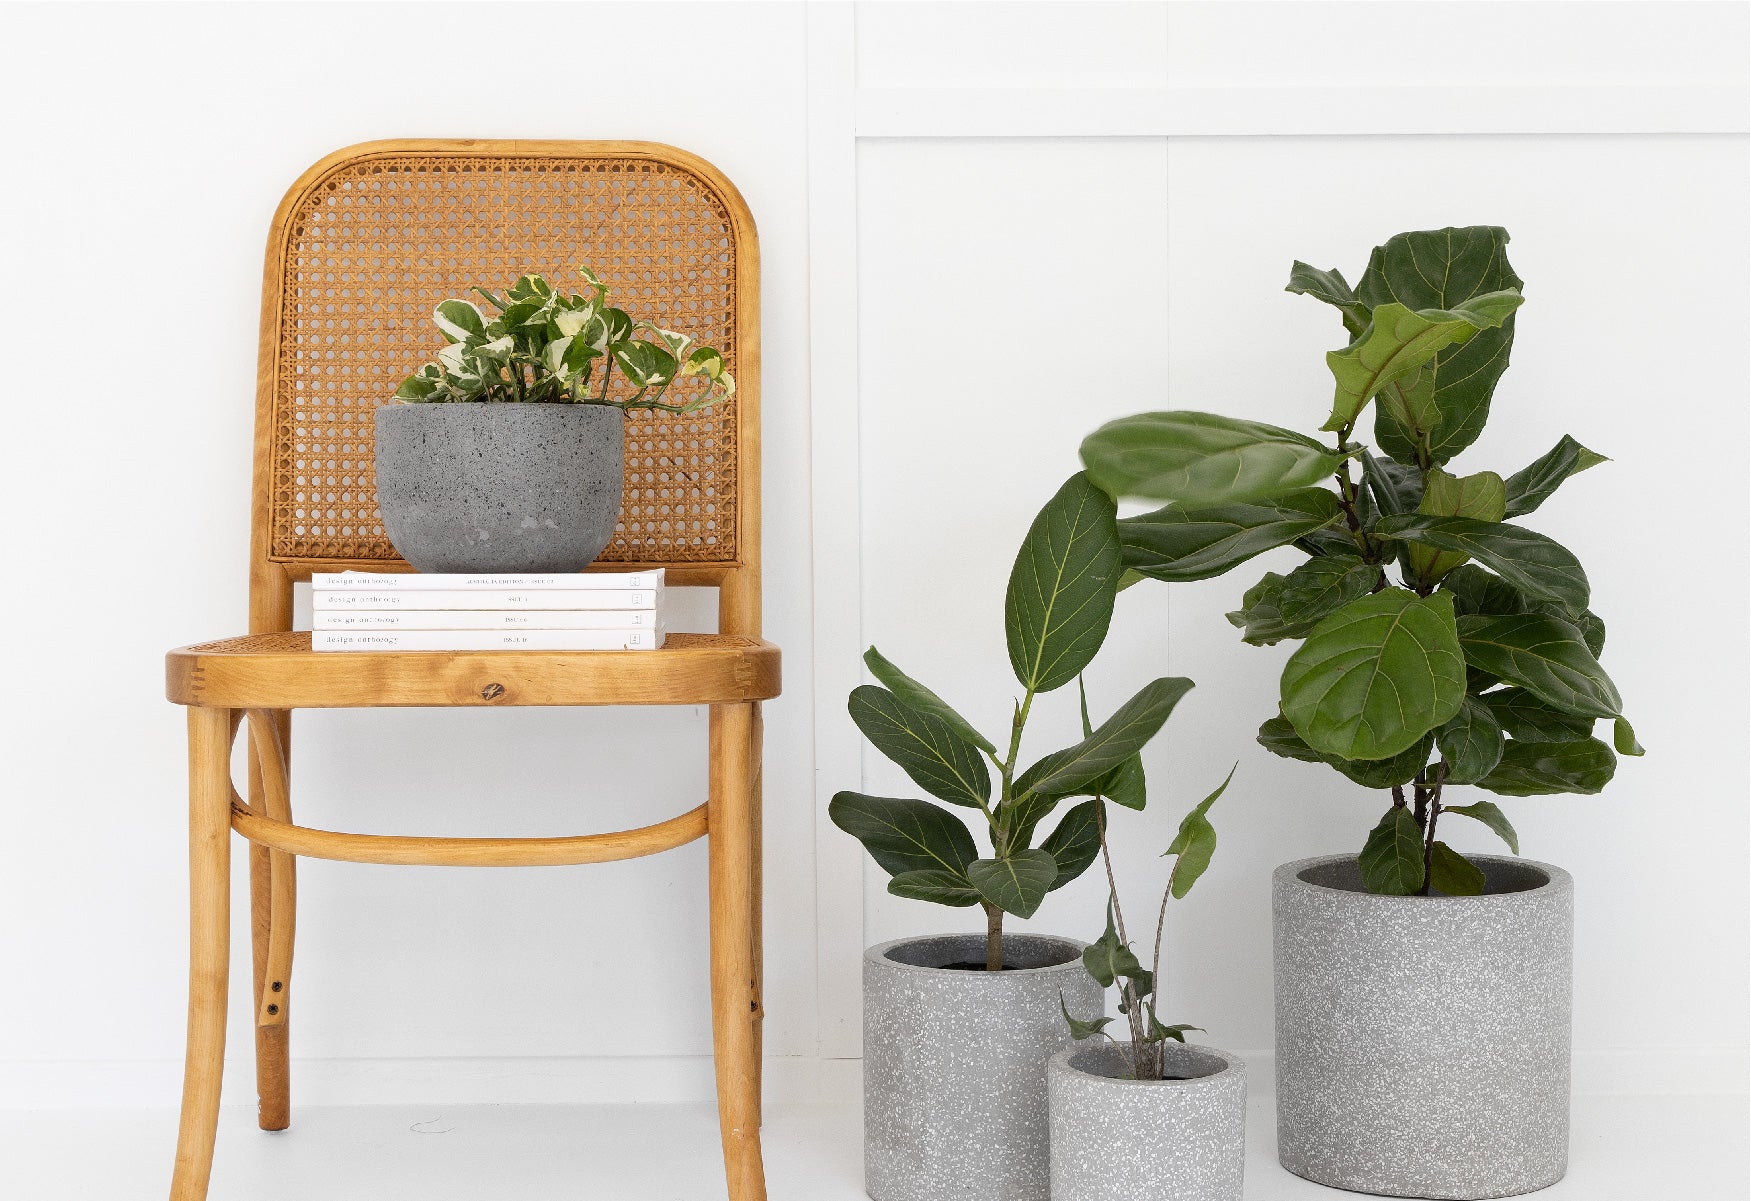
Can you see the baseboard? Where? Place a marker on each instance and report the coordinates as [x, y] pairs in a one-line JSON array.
[[675, 1080]]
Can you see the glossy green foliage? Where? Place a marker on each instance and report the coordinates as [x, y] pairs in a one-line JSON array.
[[1438, 646], [1056, 612], [547, 346]]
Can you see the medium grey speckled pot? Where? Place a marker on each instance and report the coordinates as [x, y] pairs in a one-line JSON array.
[[1115, 1139], [499, 487], [954, 1065], [1423, 1042]]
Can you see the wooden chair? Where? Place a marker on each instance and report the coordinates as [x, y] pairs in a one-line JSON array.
[[361, 249]]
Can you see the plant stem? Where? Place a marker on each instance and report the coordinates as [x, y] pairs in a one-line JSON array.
[[1398, 796], [607, 370], [993, 937], [1127, 991], [1429, 829]]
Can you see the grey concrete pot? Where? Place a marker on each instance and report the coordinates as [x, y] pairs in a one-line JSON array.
[[1115, 1139], [1423, 1042], [499, 487], [954, 1065]]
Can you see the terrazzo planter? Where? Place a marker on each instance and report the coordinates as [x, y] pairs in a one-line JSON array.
[[1115, 1139], [499, 487], [954, 1065], [1423, 1042]]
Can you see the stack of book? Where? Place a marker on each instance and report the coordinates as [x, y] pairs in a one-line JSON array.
[[358, 611]]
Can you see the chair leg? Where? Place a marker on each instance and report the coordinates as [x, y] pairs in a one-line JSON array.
[[734, 1003], [273, 913], [209, 947], [756, 756]]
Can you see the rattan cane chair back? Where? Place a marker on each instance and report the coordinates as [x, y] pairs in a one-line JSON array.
[[371, 238]]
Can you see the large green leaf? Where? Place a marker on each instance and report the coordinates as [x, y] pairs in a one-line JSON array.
[[1016, 883], [1392, 858], [1179, 545], [1528, 719], [938, 887], [1471, 743], [1452, 873], [1334, 289], [1545, 656], [927, 747], [1542, 768], [1125, 784], [1475, 590], [1490, 815], [1438, 269], [1280, 607], [1195, 843], [1061, 590], [1399, 340], [1481, 497], [1396, 488], [1075, 843], [1376, 676], [1280, 738], [1532, 485], [904, 835], [1526, 559], [1075, 769], [1200, 460], [918, 697]]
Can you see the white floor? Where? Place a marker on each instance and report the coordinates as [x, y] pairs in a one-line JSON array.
[[1640, 1148]]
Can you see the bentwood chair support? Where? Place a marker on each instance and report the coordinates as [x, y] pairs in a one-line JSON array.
[[361, 249]]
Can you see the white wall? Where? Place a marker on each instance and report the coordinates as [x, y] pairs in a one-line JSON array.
[[953, 199]]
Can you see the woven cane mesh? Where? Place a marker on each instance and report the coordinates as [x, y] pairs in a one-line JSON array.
[[377, 243]]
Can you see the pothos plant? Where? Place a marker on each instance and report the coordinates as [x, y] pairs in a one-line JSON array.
[[1056, 612], [545, 346], [1110, 959], [1479, 663]]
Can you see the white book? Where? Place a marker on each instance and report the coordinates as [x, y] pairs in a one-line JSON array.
[[486, 640], [484, 619], [486, 598], [426, 581]]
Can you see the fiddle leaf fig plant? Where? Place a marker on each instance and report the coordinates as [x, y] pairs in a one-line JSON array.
[[546, 346], [1111, 961], [1056, 612], [1440, 643]]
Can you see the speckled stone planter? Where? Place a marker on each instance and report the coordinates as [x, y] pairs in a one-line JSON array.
[[499, 487], [1423, 1042], [1115, 1139], [954, 1065]]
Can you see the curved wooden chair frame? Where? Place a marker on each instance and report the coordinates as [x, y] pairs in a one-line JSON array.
[[260, 678]]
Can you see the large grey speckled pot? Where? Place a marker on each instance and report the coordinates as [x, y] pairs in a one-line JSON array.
[[1423, 1042], [499, 487], [1115, 1139], [954, 1065]]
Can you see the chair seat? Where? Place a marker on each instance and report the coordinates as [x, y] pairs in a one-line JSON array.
[[280, 671]]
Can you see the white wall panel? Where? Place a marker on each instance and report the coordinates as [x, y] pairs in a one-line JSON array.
[[1283, 43], [1066, 43]]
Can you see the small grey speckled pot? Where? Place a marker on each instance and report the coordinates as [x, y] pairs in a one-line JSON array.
[[1423, 1042], [1115, 1139], [499, 487], [954, 1065]]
